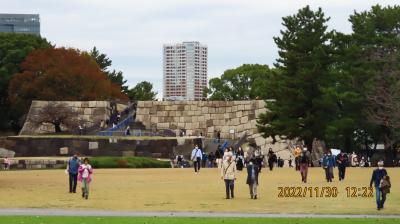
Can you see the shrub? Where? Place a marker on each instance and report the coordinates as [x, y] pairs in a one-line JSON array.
[[128, 162]]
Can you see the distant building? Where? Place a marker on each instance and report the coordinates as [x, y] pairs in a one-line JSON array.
[[185, 71], [20, 23]]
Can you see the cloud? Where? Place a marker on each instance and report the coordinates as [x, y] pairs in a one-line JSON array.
[[132, 33]]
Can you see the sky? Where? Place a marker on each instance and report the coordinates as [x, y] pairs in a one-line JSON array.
[[132, 32]]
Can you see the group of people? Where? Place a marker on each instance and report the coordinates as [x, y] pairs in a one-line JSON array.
[[229, 162], [79, 171]]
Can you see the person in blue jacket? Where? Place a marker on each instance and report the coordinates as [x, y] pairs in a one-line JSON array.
[[328, 163], [376, 178]]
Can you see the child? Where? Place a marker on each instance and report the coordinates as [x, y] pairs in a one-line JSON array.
[[85, 176], [385, 188]]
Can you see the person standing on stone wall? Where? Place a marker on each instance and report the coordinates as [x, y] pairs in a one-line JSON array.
[[228, 174], [304, 161], [72, 169], [196, 158]]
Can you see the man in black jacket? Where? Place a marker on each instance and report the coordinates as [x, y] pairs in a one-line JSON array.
[[252, 178], [341, 161], [377, 175]]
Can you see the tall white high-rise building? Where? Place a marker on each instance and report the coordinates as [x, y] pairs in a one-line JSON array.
[[185, 71]]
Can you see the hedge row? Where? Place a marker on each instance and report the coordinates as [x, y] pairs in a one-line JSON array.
[[128, 162]]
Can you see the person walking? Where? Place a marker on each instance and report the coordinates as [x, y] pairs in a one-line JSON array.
[[204, 158], [342, 161], [252, 178], [297, 152], [196, 158], [376, 178], [290, 161], [240, 159], [304, 161], [328, 163], [72, 169], [228, 174], [85, 176], [218, 156]]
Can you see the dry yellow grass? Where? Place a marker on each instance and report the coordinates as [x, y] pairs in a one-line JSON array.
[[183, 190]]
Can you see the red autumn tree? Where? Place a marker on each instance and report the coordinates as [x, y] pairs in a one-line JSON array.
[[60, 74]]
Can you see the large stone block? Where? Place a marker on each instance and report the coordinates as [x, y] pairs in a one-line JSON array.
[[239, 114], [244, 120], [88, 111], [212, 110], [92, 104], [148, 104], [204, 110], [235, 121]]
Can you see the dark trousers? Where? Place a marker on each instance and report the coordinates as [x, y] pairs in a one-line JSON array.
[[229, 187], [196, 164], [383, 199], [73, 179], [203, 163], [271, 165], [329, 173], [342, 172], [259, 163]]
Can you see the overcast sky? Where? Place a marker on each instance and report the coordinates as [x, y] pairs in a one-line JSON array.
[[132, 32]]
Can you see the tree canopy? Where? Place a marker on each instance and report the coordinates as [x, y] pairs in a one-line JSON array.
[[142, 91], [297, 109], [104, 63], [59, 74], [246, 82], [13, 50]]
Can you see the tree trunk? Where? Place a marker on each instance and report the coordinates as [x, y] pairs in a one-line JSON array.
[[57, 127]]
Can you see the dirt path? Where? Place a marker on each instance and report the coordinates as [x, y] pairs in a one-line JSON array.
[[51, 212]]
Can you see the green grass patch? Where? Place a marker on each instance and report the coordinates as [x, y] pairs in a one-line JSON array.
[[162, 220], [128, 162]]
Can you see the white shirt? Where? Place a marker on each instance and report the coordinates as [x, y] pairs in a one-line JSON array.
[[196, 153], [86, 169]]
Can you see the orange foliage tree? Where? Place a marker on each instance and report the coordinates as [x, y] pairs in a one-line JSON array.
[[60, 74]]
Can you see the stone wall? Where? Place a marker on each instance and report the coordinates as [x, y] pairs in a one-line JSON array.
[[159, 147], [231, 118], [89, 112]]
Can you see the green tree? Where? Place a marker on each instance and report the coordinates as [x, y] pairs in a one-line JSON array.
[[246, 82], [376, 38], [104, 63], [298, 109], [143, 91], [13, 50]]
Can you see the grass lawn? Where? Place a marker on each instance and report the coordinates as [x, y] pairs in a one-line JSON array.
[[155, 220], [183, 190]]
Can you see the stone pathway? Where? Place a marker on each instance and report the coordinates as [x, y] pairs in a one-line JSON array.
[[54, 212]]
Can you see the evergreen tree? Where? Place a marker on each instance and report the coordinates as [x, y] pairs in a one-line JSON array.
[[298, 109]]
